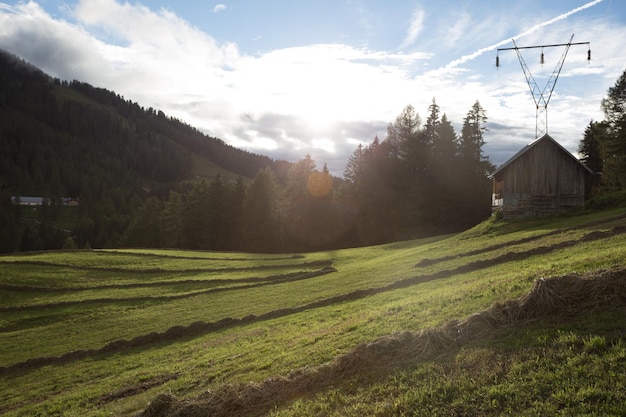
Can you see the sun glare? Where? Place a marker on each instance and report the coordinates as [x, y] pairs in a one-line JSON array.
[[319, 184], [324, 144]]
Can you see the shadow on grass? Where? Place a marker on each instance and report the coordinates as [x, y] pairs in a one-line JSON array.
[[200, 327], [428, 262], [567, 295], [254, 282]]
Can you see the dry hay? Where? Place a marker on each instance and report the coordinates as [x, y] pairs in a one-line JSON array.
[[570, 294]]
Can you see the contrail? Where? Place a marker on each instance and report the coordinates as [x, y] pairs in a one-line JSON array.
[[481, 51]]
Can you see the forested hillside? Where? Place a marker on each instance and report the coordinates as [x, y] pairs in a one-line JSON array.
[[61, 139], [143, 179]]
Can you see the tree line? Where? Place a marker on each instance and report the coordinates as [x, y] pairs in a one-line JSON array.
[[132, 170], [603, 146], [418, 181], [69, 139]]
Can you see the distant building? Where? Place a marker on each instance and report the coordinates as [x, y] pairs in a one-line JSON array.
[[38, 201], [27, 201], [542, 178]]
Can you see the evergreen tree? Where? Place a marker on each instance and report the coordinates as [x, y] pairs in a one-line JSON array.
[[431, 128], [234, 215], [298, 176], [196, 220], [444, 147], [260, 214], [409, 144], [381, 195], [447, 179], [145, 229], [471, 141], [172, 220], [354, 168], [9, 237], [474, 187], [614, 142], [589, 146], [312, 220], [614, 106]]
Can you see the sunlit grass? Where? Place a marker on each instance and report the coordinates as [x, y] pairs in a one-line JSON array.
[[102, 305], [554, 367]]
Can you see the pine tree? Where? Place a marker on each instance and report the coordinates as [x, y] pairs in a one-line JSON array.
[[589, 146], [196, 220], [234, 215], [145, 229], [431, 128], [9, 238], [355, 166], [444, 147], [172, 221], [614, 142], [471, 141], [403, 134], [260, 214], [473, 185]]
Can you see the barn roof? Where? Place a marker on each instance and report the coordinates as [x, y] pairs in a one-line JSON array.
[[533, 144]]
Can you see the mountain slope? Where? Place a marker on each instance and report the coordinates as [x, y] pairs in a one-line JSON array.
[[60, 139], [98, 125]]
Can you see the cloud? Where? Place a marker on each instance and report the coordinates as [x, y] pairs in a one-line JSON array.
[[319, 99], [415, 28], [462, 60], [219, 8]]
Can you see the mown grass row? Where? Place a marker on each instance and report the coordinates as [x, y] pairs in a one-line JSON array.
[[555, 367], [122, 382]]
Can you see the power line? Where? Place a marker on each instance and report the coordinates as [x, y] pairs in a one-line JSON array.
[[540, 96]]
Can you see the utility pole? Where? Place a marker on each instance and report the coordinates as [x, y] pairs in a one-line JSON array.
[[541, 97]]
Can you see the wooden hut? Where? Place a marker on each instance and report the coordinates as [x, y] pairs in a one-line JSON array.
[[542, 178]]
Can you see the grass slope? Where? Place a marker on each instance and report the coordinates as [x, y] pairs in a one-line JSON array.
[[105, 332]]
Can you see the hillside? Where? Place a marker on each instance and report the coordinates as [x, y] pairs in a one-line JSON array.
[[508, 317], [101, 126], [138, 178], [61, 139]]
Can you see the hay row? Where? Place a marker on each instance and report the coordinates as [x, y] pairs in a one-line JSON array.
[[569, 295], [433, 261], [173, 333], [254, 283], [213, 281], [204, 327], [318, 263]]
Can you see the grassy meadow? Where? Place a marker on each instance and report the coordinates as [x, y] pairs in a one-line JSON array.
[[106, 332]]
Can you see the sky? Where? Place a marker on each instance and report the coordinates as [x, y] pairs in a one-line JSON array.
[[291, 78]]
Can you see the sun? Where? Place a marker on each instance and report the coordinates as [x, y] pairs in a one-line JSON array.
[[319, 118]]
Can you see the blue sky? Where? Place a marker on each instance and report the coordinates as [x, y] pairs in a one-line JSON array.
[[290, 78]]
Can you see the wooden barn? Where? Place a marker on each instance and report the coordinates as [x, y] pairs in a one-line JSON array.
[[542, 178]]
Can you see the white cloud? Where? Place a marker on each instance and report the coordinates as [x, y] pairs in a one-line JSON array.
[[455, 63], [219, 8], [415, 28], [318, 99]]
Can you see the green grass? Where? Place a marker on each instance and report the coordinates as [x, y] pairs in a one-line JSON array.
[[575, 370], [284, 316]]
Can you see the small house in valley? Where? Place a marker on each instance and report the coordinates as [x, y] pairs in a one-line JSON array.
[[542, 178], [39, 201]]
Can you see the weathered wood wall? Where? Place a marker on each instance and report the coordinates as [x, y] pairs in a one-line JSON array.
[[542, 180]]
